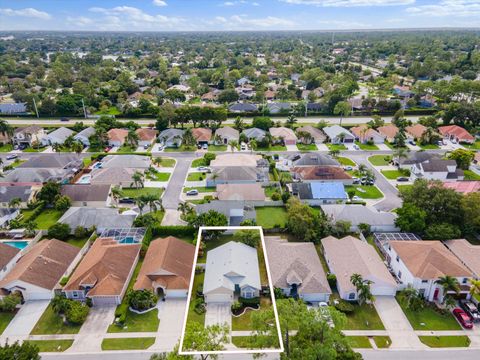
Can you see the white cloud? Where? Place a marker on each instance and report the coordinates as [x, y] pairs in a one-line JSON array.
[[239, 2], [451, 8], [27, 12], [79, 21], [340, 24], [159, 3], [244, 22], [349, 3]]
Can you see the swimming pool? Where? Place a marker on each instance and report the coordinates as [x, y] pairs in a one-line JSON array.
[[128, 240], [85, 179], [17, 244]]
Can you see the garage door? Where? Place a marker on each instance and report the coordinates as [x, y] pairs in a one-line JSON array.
[[104, 300], [383, 290], [218, 298]]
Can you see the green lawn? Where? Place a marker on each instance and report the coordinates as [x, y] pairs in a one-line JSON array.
[[112, 110], [470, 175], [445, 341], [270, 217], [244, 322], [196, 176], [134, 193], [429, 317], [200, 189], [309, 147], [77, 242], [6, 148], [336, 146], [365, 191], [364, 317], [180, 149], [33, 150], [366, 147], [428, 146], [147, 322], [380, 160], [217, 147], [192, 315], [394, 174], [273, 148], [345, 161], [359, 342], [47, 218], [159, 176], [270, 190], [403, 187], [5, 318], [198, 162], [167, 162], [382, 342], [128, 343], [474, 146], [52, 323], [51, 345], [126, 149]]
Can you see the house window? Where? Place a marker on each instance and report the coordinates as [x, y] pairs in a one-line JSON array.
[[424, 281], [399, 274], [75, 294], [421, 292], [351, 296], [248, 294], [398, 258], [464, 281]]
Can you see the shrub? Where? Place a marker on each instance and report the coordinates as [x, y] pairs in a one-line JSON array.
[[275, 196], [178, 231], [199, 306], [80, 232], [253, 302], [208, 157], [332, 280], [59, 231], [142, 300], [285, 197], [77, 313], [248, 237], [62, 203], [64, 280], [236, 306], [344, 306], [9, 303]]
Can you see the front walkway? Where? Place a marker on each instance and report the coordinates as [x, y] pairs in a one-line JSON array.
[[26, 318], [172, 217], [396, 324]]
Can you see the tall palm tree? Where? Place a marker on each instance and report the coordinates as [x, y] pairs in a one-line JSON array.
[[233, 145], [356, 279], [153, 201], [334, 153], [77, 147], [184, 208], [5, 129], [116, 193], [291, 120], [56, 147], [140, 203], [157, 161], [138, 179], [14, 203], [448, 284], [253, 145], [238, 123], [132, 138], [400, 153]]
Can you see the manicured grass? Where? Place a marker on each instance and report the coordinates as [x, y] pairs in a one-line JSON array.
[[134, 193], [380, 160], [196, 176], [33, 150], [126, 149], [51, 345], [403, 187], [470, 175], [271, 216], [167, 162], [394, 174], [345, 161], [77, 242], [6, 148], [244, 322], [429, 317], [364, 317], [52, 323], [200, 189], [273, 148], [309, 147], [270, 190], [192, 315], [445, 341], [147, 322], [382, 342], [359, 342], [217, 147], [428, 146], [128, 343], [365, 191], [366, 147], [198, 162], [262, 266], [16, 163], [159, 176], [5, 318], [112, 110], [180, 149], [336, 147], [474, 146], [47, 218], [241, 341]]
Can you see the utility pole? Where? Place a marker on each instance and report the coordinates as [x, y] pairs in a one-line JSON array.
[[84, 110], [35, 106], [333, 38]]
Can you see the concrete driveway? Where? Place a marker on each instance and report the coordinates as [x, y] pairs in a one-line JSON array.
[[218, 313], [171, 313], [397, 324], [292, 148], [172, 194], [26, 318]]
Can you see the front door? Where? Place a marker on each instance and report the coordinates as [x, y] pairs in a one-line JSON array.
[[435, 294]]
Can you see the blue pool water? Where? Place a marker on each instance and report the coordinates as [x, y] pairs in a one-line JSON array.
[[85, 179], [128, 240], [18, 244]]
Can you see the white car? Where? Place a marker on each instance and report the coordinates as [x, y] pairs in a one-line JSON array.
[[348, 168], [356, 198], [204, 169], [205, 147], [243, 147], [192, 192]]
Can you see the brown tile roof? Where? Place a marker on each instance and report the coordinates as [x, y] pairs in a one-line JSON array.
[[321, 173], [288, 260], [249, 192], [317, 134], [464, 187], [457, 131], [107, 266], [7, 253], [168, 263], [416, 130], [44, 265], [117, 134], [390, 131], [244, 160], [202, 134], [145, 134], [363, 132], [467, 253], [429, 259], [283, 132]]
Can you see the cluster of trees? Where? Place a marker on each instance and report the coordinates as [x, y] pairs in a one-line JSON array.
[[75, 312], [438, 213]]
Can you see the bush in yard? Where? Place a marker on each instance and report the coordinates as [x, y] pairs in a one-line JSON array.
[[80, 232], [249, 237], [60, 304], [344, 306], [248, 222], [236, 306], [199, 306], [59, 231], [278, 293], [275, 196], [142, 300], [77, 313], [24, 351], [62, 203], [49, 192], [285, 197], [208, 157], [332, 280], [9, 303], [252, 302]]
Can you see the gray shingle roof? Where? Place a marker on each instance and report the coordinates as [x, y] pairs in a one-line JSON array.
[[101, 218], [8, 193], [126, 161], [16, 108], [58, 161], [358, 214], [312, 159], [86, 192]]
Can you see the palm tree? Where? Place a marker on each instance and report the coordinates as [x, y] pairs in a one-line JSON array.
[[5, 128], [56, 147], [362, 168], [116, 193], [238, 123], [153, 201], [132, 138], [356, 279], [253, 145], [291, 120], [214, 177], [334, 153], [400, 153], [363, 288], [218, 140], [448, 284], [412, 298], [184, 208], [233, 145], [343, 108], [14, 203], [77, 147], [137, 178], [140, 203], [474, 287], [157, 161]]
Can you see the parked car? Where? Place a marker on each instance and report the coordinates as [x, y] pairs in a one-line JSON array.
[[348, 168], [12, 156], [356, 180], [199, 146], [126, 201], [356, 147], [243, 147], [402, 179], [356, 198], [205, 147], [470, 308], [146, 146], [192, 192], [64, 119], [204, 169], [107, 149], [463, 318]]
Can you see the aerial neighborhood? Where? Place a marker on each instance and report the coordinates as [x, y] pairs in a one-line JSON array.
[[341, 176]]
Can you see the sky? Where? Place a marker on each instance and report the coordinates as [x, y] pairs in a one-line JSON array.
[[218, 15]]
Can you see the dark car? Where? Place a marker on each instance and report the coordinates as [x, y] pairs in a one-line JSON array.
[[126, 201], [402, 179], [463, 318], [470, 308], [11, 156], [64, 119]]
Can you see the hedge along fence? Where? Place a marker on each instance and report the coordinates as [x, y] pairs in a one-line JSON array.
[[163, 231]]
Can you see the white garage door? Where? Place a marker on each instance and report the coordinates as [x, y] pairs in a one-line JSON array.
[[105, 300], [383, 290], [218, 298]]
